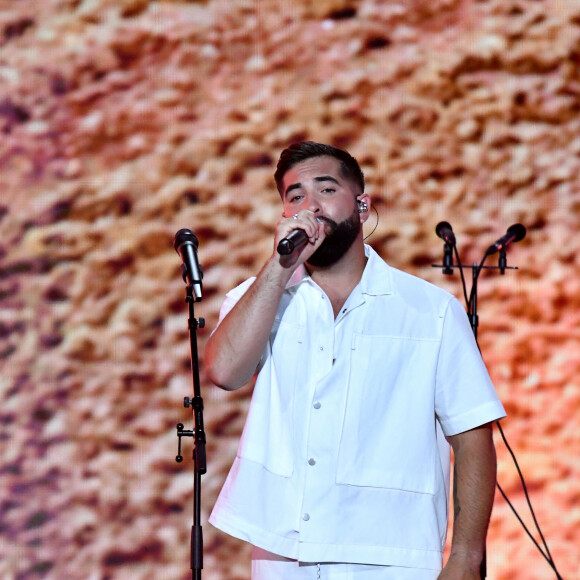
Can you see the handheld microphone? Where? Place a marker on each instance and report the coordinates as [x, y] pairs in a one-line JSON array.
[[445, 232], [514, 233], [294, 240], [185, 245]]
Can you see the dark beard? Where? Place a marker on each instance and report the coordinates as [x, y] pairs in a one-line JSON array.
[[337, 241]]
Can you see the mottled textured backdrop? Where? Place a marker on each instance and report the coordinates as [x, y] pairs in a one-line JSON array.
[[124, 120]]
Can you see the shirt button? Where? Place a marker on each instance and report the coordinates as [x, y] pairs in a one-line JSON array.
[[312, 461], [317, 405], [321, 348], [305, 517]]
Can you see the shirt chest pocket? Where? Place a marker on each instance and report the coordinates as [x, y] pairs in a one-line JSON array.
[[388, 431]]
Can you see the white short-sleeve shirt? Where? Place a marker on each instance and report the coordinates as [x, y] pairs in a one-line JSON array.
[[343, 456]]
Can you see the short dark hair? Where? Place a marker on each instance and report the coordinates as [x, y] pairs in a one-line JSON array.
[[298, 152]]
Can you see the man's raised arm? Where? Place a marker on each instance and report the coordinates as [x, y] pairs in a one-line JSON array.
[[234, 350]]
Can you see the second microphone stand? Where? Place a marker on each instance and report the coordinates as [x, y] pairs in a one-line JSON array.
[[447, 268]]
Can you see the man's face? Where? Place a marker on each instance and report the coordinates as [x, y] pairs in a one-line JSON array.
[[318, 185]]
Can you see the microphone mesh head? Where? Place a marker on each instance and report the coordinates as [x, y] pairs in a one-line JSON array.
[[185, 236], [442, 226], [517, 230]]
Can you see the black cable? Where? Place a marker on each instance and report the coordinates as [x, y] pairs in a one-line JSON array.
[[473, 288], [526, 528], [463, 285], [547, 555], [376, 224]]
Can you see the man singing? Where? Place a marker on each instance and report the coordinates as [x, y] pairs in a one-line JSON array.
[[366, 376]]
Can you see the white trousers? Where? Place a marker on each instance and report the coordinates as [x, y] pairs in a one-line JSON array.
[[268, 566]]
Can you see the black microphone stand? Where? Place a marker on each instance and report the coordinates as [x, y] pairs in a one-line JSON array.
[[447, 268], [199, 456], [516, 232]]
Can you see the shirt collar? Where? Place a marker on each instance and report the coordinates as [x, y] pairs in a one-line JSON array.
[[376, 278]]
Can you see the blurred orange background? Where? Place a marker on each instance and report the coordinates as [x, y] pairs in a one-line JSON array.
[[123, 121]]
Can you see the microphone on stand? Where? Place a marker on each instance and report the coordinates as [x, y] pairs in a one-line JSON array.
[[185, 245], [445, 232], [514, 233]]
